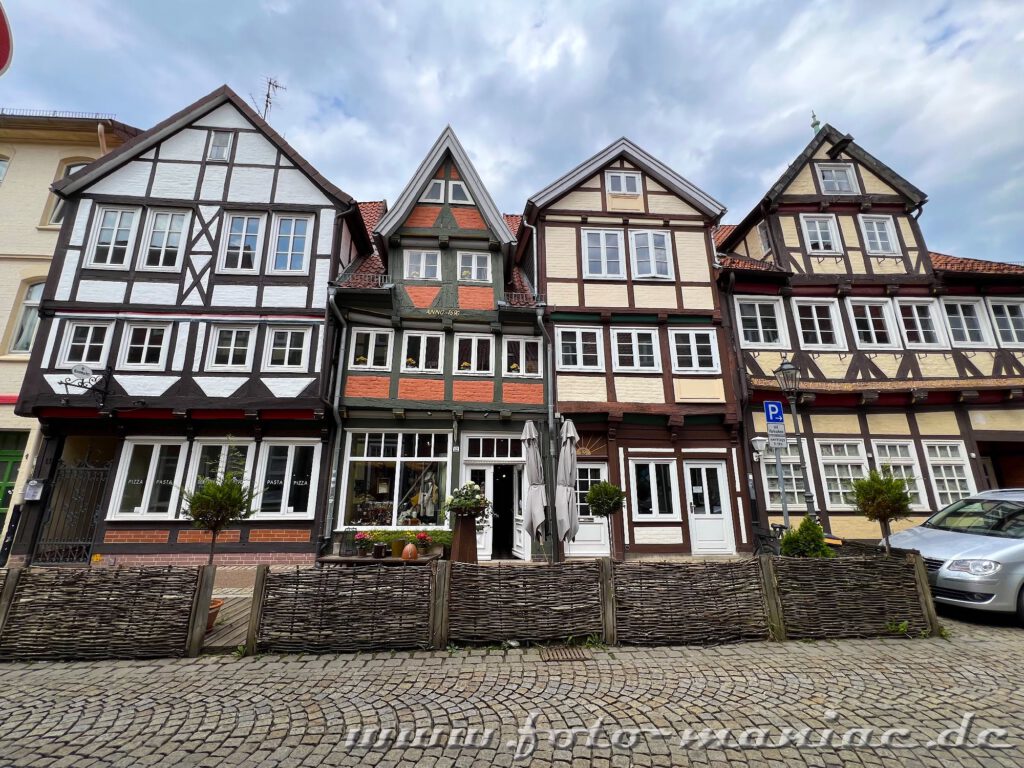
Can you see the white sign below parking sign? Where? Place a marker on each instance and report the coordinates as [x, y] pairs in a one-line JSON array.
[[774, 417]]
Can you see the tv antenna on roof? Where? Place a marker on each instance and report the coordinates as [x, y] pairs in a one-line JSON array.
[[268, 98]]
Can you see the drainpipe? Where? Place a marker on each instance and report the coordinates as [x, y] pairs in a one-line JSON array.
[[549, 397], [335, 402]]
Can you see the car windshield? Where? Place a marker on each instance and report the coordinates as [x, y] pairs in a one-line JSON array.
[[990, 517]]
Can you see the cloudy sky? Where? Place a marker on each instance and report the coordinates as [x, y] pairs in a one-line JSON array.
[[721, 91]]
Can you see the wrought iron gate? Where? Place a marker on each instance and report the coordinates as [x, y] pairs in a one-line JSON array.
[[72, 510]]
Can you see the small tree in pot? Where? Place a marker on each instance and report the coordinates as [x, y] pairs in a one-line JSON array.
[[604, 500], [883, 499], [213, 505]]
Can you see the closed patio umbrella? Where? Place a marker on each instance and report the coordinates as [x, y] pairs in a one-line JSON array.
[[536, 496], [567, 513]]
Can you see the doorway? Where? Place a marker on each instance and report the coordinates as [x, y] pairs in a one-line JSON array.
[[707, 501], [503, 509]]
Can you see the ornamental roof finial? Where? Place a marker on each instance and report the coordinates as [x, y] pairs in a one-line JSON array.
[[815, 123]]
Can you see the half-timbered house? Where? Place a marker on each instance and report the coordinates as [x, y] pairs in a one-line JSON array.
[[182, 335], [622, 248], [911, 362], [440, 359]]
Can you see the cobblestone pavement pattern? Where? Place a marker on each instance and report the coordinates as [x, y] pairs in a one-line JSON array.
[[297, 711]]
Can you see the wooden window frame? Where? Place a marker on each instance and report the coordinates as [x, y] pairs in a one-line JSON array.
[[211, 354], [623, 256], [65, 344], [225, 235], [716, 367], [780, 322], [424, 335], [833, 226], [475, 338], [633, 333], [634, 234], [147, 236], [674, 498], [560, 366], [835, 317], [121, 478], [851, 175], [988, 339], [892, 326], [407, 271], [125, 346], [890, 230], [268, 348]]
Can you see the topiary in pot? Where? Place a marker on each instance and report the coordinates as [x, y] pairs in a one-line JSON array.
[[807, 540], [883, 499], [604, 500], [213, 505]]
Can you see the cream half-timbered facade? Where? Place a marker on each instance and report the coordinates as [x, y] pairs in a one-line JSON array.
[[906, 367], [641, 361], [183, 336]]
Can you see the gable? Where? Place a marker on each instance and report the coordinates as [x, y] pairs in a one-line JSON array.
[[805, 181], [598, 193], [453, 211]]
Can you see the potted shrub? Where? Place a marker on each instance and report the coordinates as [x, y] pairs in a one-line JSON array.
[[213, 505], [883, 499], [363, 542], [470, 508], [604, 500], [807, 540]]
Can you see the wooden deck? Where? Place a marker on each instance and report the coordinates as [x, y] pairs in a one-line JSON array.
[[232, 624]]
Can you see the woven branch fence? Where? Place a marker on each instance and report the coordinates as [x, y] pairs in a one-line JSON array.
[[689, 603], [324, 610], [531, 603], [849, 597], [99, 613]]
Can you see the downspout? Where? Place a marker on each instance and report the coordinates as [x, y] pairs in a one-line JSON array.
[[549, 397], [336, 414]]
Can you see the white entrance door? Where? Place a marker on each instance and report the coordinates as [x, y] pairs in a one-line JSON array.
[[592, 538], [521, 542], [707, 499], [483, 476]]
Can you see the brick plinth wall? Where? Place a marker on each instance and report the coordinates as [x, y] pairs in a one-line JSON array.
[[279, 534], [137, 536], [197, 536], [198, 558]]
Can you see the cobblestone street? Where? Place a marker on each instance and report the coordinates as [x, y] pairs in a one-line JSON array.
[[299, 711]]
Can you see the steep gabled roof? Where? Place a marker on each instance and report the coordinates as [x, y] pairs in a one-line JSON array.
[[514, 221], [943, 262], [638, 157], [147, 139], [446, 142], [722, 232], [854, 150]]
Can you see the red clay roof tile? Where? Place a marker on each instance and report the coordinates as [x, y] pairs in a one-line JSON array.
[[947, 263]]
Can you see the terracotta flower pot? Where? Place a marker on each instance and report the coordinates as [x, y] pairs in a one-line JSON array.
[[215, 605], [410, 552]]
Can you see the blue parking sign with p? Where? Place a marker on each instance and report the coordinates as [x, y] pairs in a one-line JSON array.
[[773, 412]]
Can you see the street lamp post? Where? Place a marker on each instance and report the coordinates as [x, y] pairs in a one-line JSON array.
[[760, 445], [788, 376]]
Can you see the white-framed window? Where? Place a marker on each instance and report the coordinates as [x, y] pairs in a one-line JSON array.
[[761, 321], [292, 239], [215, 458], [879, 235], [85, 343], [587, 476], [1009, 321], [474, 267], [5, 163], [580, 349], [395, 478], [287, 349], [231, 348], [949, 469], [819, 324], [840, 462], [112, 238], [422, 352], [654, 489], [493, 447], [636, 349], [652, 254], [522, 356], [874, 324], [695, 350], [920, 324], [148, 478], [71, 167], [434, 192], [242, 242], [623, 182], [144, 346], [821, 234], [967, 322], [28, 319], [603, 253], [762, 236], [422, 265], [792, 485], [371, 349], [458, 193], [287, 475], [899, 459], [164, 240], [837, 178], [474, 354], [220, 146]]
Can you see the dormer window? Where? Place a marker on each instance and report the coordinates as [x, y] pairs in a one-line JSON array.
[[623, 183], [220, 146], [434, 193], [837, 179], [458, 194]]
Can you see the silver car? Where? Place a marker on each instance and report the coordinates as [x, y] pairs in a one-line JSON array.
[[974, 550]]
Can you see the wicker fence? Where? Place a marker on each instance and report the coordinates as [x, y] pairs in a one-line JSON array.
[[689, 603], [96, 613], [532, 603], [322, 610], [851, 596]]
